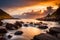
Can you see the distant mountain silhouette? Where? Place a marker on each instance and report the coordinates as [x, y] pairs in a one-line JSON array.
[[4, 15], [53, 17], [56, 14]]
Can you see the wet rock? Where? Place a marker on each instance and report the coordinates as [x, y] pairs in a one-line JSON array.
[[58, 36], [18, 33], [31, 23], [54, 31], [3, 30], [10, 26], [1, 23], [40, 22], [26, 25], [36, 24], [43, 27], [19, 24], [2, 38], [9, 36], [44, 36]]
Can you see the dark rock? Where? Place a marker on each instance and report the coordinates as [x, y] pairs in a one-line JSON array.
[[9, 36], [31, 23], [10, 26], [54, 31], [43, 27], [40, 22], [44, 36], [58, 36], [36, 24], [18, 33], [19, 24], [2, 38], [26, 25], [3, 30], [1, 23]]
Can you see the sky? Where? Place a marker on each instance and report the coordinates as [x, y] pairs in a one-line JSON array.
[[17, 7]]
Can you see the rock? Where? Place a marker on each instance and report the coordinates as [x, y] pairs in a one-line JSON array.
[[43, 27], [2, 38], [18, 33], [36, 24], [44, 36], [3, 30], [40, 22], [9, 36], [54, 31], [19, 24], [26, 25], [58, 36], [31, 23], [1, 23], [10, 26]]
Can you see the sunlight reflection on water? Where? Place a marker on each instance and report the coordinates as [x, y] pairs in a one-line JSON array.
[[50, 24]]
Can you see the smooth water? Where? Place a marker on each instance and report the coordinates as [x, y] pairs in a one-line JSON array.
[[50, 23]]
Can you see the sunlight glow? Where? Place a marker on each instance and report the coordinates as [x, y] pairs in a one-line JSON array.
[[19, 11]]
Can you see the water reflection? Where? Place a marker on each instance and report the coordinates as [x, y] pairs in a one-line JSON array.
[[49, 23]]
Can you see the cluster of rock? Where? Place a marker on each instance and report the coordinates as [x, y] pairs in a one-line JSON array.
[[52, 34]]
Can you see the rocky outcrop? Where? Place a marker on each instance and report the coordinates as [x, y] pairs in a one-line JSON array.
[[44, 36], [4, 15]]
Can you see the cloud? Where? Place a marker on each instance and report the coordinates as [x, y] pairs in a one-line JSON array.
[[15, 3], [30, 15], [21, 3]]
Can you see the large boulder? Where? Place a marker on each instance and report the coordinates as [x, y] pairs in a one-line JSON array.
[[10, 26], [44, 36], [19, 24], [3, 30], [58, 36], [54, 31]]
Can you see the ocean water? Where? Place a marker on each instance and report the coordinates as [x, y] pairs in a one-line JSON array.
[[50, 23]]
